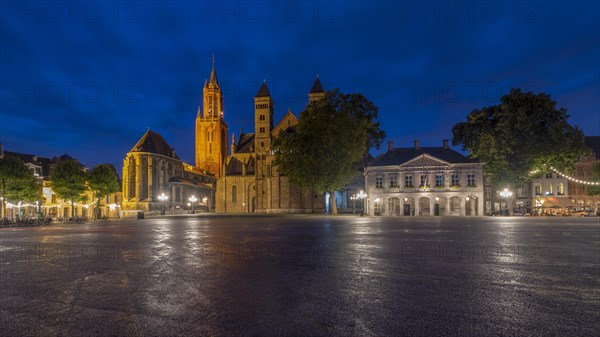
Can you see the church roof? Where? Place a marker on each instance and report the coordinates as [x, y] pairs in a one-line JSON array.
[[399, 156], [263, 91], [213, 76], [245, 143], [152, 142], [288, 121], [234, 167], [317, 87]]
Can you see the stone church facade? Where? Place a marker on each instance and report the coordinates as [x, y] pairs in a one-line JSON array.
[[251, 181], [152, 168], [242, 180]]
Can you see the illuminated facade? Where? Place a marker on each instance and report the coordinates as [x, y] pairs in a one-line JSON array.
[[251, 182], [419, 180], [152, 168], [211, 129]]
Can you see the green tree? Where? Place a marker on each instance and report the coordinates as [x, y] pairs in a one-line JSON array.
[[594, 189], [68, 181], [18, 182], [524, 133], [102, 181], [326, 148]]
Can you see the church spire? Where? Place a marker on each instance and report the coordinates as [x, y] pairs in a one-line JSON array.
[[213, 74]]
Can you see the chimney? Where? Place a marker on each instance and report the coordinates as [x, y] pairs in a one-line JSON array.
[[445, 143], [417, 144], [390, 145]]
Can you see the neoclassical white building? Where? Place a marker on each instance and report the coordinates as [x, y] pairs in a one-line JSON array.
[[413, 181]]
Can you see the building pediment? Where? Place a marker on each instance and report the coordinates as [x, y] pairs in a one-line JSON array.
[[425, 160]]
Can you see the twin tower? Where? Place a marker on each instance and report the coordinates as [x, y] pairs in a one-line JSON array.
[[212, 130]]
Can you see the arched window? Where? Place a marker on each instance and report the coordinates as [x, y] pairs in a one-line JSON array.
[[234, 193]]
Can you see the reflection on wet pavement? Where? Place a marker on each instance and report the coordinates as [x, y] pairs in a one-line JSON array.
[[302, 276]]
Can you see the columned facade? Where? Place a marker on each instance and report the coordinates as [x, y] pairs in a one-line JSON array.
[[429, 181]]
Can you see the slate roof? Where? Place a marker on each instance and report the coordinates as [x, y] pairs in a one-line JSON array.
[[234, 167], [593, 142], [317, 87], [152, 142], [263, 91], [245, 143], [399, 156]]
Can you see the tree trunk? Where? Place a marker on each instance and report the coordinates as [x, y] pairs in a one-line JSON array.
[[97, 212], [332, 203]]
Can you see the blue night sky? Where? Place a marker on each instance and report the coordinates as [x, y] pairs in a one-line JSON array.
[[89, 78]]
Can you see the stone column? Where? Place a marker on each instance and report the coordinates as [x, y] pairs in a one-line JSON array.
[[138, 177], [432, 205], [463, 206], [417, 199], [447, 211], [125, 182], [150, 194]]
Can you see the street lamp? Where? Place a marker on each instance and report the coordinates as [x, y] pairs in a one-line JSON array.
[[506, 194], [193, 200], [163, 198], [361, 196]]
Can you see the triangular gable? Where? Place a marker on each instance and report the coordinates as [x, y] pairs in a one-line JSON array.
[[287, 121], [425, 160]]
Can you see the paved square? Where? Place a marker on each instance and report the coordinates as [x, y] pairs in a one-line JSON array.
[[210, 275]]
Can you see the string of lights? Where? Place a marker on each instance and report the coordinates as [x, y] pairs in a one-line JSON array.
[[579, 181], [568, 177]]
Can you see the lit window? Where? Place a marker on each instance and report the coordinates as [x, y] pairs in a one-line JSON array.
[[393, 180], [439, 180], [560, 190], [455, 179], [408, 181], [424, 181], [470, 179], [538, 189], [379, 182]]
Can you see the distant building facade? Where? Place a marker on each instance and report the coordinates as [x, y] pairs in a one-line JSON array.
[[152, 168], [416, 181], [578, 192], [50, 205], [251, 181]]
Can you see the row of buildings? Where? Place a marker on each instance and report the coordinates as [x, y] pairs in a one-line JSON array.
[[440, 181], [50, 205], [239, 176]]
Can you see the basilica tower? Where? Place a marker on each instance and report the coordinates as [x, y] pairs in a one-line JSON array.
[[211, 129]]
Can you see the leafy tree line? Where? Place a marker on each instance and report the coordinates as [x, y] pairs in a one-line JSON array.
[[69, 181], [525, 133]]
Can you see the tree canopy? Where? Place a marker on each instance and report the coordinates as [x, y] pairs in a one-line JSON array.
[[102, 181], [594, 189], [17, 181], [68, 181], [333, 136], [523, 133]]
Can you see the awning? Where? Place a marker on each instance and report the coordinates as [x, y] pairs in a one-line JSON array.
[[553, 202]]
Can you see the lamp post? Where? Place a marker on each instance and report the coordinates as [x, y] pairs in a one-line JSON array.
[[506, 194], [361, 196], [163, 198], [193, 200]]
